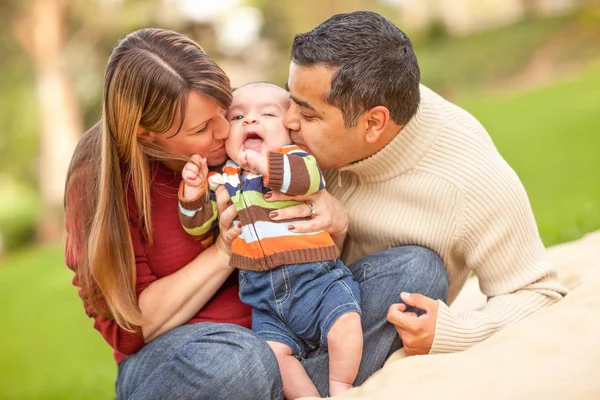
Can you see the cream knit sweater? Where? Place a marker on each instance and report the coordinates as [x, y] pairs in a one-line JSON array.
[[442, 184]]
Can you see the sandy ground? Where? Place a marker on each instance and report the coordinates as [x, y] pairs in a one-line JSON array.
[[552, 354]]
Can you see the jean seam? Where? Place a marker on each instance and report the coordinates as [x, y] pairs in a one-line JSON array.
[[365, 267], [349, 290]]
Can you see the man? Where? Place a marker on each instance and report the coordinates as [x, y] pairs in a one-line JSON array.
[[413, 169]]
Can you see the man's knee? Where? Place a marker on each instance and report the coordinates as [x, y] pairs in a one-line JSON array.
[[416, 268], [426, 273]]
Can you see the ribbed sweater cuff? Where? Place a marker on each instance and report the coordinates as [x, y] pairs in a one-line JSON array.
[[195, 203], [274, 178], [451, 334]]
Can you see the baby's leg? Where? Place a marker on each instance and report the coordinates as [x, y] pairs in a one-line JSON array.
[[296, 382], [345, 342]]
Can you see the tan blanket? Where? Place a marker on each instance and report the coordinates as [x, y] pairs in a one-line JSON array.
[[553, 354]]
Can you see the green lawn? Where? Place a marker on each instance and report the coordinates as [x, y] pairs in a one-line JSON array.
[[551, 136], [48, 348]]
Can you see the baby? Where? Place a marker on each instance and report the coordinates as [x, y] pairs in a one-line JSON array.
[[302, 295]]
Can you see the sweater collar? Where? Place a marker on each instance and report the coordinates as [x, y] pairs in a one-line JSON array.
[[407, 148]]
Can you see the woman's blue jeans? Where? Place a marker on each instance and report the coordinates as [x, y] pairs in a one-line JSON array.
[[224, 361]]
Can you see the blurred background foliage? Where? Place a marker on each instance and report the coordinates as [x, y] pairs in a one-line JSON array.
[[529, 70]]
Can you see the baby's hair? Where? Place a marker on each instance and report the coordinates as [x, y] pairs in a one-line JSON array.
[[257, 83]]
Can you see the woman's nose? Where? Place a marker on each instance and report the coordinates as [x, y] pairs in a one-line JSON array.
[[222, 132]]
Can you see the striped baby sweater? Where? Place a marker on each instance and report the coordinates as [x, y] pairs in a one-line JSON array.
[[264, 244]]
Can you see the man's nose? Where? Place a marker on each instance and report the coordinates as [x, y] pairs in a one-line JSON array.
[[291, 121]]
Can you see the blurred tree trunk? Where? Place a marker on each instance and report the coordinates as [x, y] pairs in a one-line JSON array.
[[39, 31]]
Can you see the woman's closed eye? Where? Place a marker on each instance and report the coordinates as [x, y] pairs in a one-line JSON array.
[[201, 130]]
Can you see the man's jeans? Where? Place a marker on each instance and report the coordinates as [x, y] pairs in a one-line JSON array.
[[224, 361]]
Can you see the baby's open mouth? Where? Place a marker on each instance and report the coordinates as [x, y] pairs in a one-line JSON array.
[[253, 141]]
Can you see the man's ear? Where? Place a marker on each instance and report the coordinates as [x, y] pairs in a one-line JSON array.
[[376, 120], [145, 135]]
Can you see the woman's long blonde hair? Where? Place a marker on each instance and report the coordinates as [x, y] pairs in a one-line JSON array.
[[148, 77]]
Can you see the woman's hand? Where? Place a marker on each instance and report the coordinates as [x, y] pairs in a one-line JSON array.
[[227, 214], [330, 215]]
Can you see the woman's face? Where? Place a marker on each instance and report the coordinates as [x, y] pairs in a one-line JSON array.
[[203, 132]]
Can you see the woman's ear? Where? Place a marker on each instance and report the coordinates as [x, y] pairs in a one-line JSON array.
[[376, 120], [145, 135]]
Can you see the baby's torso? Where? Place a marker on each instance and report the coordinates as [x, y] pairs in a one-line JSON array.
[[266, 244]]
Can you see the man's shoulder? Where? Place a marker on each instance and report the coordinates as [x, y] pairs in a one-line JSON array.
[[452, 117]]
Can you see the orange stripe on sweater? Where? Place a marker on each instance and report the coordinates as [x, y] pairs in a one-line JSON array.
[[231, 171], [288, 150], [279, 244]]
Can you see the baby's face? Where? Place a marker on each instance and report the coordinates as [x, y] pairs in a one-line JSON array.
[[256, 117]]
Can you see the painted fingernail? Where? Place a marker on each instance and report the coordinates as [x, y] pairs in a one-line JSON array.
[[273, 214], [268, 195], [291, 227], [239, 224]]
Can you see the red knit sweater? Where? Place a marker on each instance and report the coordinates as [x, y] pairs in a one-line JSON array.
[[173, 248]]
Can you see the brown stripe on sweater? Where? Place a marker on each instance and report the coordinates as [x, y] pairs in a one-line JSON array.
[[200, 201], [275, 177], [258, 213], [198, 219], [300, 182]]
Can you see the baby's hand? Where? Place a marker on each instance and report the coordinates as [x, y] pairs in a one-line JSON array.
[[253, 161], [194, 175]]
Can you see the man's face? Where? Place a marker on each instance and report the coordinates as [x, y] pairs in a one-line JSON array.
[[316, 126]]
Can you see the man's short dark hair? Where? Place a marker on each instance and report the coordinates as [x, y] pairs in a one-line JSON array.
[[375, 63]]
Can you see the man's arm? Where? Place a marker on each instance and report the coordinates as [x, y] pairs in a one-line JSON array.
[[500, 243]]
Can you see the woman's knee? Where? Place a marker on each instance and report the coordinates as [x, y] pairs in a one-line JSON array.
[[248, 368], [204, 361]]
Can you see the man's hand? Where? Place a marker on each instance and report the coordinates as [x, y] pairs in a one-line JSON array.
[[416, 332], [253, 161]]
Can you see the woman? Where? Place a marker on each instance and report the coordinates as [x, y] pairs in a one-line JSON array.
[[145, 281]]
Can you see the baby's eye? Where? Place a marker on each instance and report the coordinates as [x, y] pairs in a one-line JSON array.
[[269, 115], [237, 117]]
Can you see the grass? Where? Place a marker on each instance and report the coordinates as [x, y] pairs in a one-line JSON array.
[[48, 347], [452, 64]]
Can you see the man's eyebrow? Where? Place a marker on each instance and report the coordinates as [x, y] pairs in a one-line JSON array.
[[302, 103]]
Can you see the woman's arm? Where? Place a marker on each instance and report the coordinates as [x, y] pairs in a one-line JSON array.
[[172, 300]]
